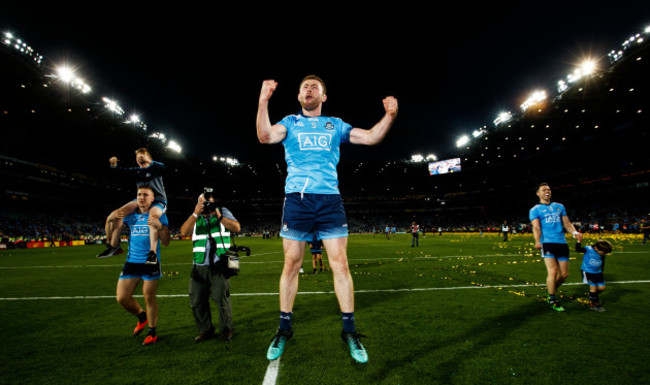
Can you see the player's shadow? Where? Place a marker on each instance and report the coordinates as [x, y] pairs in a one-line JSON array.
[[480, 337]]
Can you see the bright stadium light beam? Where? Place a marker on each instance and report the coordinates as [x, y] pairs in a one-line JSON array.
[[463, 140], [174, 146], [535, 98], [432, 157], [65, 73], [417, 158], [503, 117]]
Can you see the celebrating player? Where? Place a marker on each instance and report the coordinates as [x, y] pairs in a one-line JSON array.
[[148, 173], [136, 269], [549, 219], [313, 204]]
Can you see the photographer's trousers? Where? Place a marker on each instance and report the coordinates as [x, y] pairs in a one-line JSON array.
[[205, 284]]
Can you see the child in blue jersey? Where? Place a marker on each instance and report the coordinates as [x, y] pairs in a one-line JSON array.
[[148, 173], [136, 268], [549, 220], [313, 204], [316, 250], [593, 265]]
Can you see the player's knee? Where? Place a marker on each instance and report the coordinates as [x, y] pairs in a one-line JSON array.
[[122, 299], [149, 297]]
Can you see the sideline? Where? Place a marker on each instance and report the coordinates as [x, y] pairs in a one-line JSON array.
[[422, 289], [272, 371]]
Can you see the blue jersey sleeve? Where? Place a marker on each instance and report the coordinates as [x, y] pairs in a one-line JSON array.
[[532, 214], [345, 129]]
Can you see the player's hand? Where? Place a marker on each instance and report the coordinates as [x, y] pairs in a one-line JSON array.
[[268, 87], [113, 161], [155, 222], [390, 105], [198, 209], [538, 245], [579, 237]]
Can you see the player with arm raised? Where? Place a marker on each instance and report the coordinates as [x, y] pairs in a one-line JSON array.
[[313, 204], [148, 173]]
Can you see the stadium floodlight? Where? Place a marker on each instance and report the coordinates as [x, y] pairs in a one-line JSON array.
[[415, 158], [65, 74], [503, 117], [112, 105], [587, 68], [535, 98], [159, 136], [133, 119], [432, 157], [478, 133], [463, 140], [174, 146]]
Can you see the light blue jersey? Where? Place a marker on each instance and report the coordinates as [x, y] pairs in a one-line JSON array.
[[592, 262], [550, 218], [312, 152], [139, 244]]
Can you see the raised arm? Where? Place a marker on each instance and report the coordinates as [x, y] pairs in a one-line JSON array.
[[267, 133], [378, 132]]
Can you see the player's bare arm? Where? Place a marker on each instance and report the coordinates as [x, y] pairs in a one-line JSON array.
[[267, 133], [568, 226], [378, 132], [163, 231], [537, 233]]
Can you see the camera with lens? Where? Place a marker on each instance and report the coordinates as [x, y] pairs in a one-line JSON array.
[[208, 206]]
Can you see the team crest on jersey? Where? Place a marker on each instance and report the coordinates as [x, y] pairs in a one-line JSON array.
[[329, 126], [285, 227], [315, 141]]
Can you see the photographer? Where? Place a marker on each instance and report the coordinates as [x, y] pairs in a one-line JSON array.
[[210, 229]]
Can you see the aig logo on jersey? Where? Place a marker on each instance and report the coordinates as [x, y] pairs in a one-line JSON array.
[[139, 229], [315, 141]]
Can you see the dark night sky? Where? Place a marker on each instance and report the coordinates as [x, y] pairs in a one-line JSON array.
[[195, 74]]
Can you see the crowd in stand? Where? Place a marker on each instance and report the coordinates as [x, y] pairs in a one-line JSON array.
[[17, 232]]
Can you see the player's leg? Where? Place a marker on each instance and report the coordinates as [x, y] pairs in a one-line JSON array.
[[343, 285], [154, 213], [293, 258], [314, 261], [149, 289], [552, 269], [294, 253], [124, 295], [116, 230], [344, 288], [562, 273]]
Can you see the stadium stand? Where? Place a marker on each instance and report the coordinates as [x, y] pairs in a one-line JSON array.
[[590, 142]]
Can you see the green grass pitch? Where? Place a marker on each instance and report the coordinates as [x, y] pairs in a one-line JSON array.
[[459, 309]]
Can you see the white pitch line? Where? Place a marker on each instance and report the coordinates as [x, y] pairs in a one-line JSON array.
[[271, 376], [350, 261], [417, 289]]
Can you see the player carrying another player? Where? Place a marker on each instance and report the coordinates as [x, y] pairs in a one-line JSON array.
[[593, 265], [148, 173], [313, 204], [136, 269], [549, 220]]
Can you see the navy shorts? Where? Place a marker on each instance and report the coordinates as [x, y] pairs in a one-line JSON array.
[[307, 215], [141, 270], [593, 279], [559, 251]]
